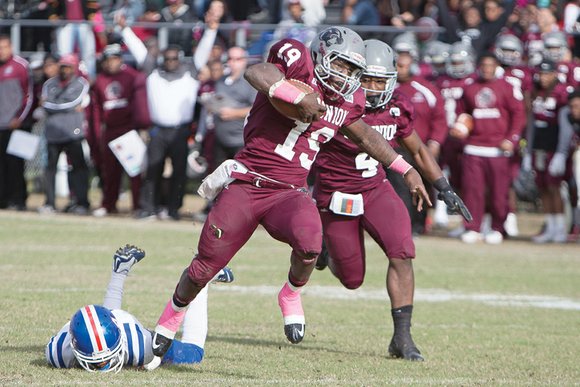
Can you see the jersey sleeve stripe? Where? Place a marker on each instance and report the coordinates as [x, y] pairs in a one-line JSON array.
[[50, 356], [59, 350], [129, 342], [141, 345]]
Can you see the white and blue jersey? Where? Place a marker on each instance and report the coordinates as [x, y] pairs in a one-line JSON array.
[[137, 341]]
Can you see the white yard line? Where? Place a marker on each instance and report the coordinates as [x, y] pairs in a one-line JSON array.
[[421, 295], [340, 293]]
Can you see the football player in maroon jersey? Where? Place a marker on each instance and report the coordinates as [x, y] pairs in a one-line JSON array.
[[265, 183], [499, 118], [549, 160], [353, 195]]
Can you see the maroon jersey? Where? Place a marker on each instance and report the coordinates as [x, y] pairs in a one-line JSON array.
[[569, 74], [430, 121], [342, 166], [545, 107], [119, 100], [452, 91], [498, 112], [284, 149], [520, 77]]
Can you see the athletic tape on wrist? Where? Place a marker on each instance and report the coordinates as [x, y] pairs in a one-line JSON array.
[[286, 92], [400, 166]]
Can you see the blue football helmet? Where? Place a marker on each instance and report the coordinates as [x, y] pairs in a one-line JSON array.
[[97, 341]]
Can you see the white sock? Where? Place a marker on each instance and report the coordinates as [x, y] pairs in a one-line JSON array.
[[550, 223], [559, 223], [114, 293], [195, 321], [294, 288]]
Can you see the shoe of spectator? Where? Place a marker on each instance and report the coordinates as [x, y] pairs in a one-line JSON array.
[[560, 237], [100, 212], [544, 237], [163, 214], [16, 207], [574, 235], [125, 257], [76, 209], [456, 232], [146, 215], [511, 225], [225, 275], [471, 237], [174, 215], [493, 237], [46, 210]]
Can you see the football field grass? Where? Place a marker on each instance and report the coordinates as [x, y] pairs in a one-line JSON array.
[[484, 315]]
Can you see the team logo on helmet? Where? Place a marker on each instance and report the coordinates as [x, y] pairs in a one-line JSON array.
[[331, 36]]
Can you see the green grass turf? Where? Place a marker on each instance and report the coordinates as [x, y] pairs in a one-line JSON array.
[[50, 266]]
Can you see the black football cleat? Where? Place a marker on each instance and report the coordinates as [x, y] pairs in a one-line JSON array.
[[294, 332], [405, 349], [160, 344]]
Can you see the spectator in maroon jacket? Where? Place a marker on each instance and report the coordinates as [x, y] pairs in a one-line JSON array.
[[15, 103], [119, 105], [499, 118]]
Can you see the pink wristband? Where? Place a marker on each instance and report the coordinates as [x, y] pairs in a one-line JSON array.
[[287, 92], [400, 165]]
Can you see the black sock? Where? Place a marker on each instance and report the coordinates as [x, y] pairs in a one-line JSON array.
[[402, 320]]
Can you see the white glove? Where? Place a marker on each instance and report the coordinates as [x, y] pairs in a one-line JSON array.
[[557, 165], [527, 162]]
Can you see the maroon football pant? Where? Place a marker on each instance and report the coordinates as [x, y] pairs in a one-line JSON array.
[[387, 221], [486, 176], [289, 215], [111, 173]]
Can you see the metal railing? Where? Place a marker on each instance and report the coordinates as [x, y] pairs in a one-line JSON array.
[[240, 30]]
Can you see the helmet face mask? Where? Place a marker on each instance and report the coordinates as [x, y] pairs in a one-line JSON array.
[[555, 46], [509, 50], [461, 61], [436, 54], [97, 341], [382, 69], [338, 55]]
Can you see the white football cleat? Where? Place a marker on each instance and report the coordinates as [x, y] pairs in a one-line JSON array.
[[493, 237], [125, 257], [471, 237], [511, 225]]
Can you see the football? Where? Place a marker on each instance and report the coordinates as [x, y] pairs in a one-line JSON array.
[[464, 123], [288, 109]]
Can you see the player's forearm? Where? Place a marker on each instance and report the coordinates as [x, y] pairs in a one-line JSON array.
[[371, 142], [262, 76], [427, 164]]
